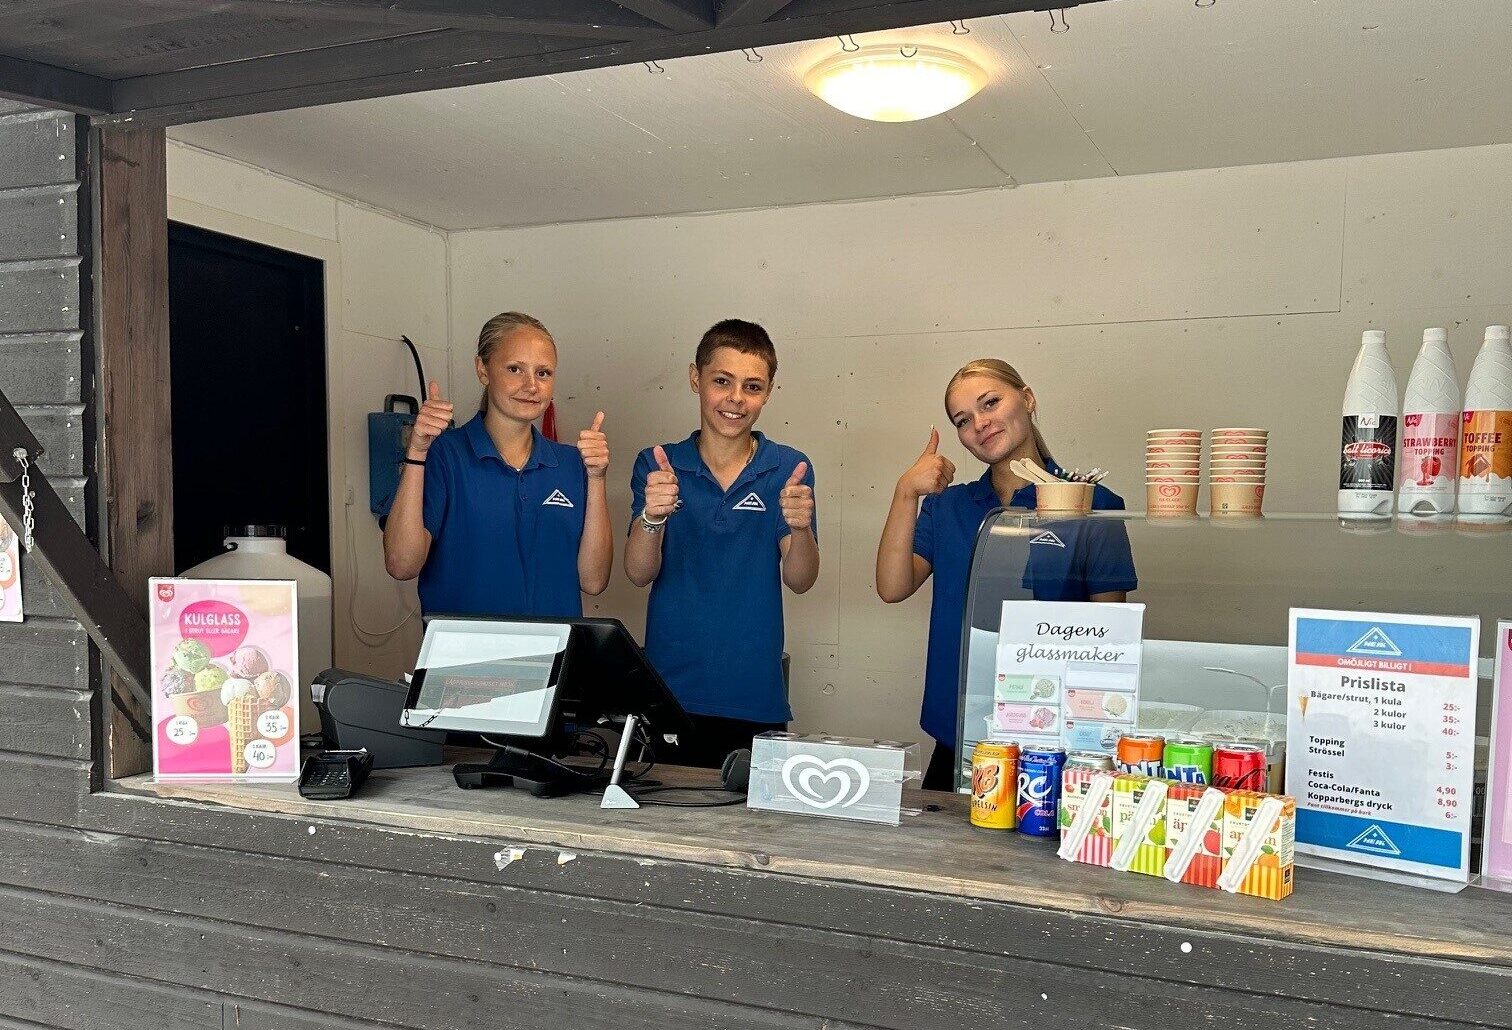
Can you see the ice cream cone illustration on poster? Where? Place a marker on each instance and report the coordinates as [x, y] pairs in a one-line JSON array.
[[1302, 704], [223, 697]]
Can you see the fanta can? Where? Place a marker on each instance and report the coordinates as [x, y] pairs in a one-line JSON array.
[[1189, 759], [1141, 753], [1039, 785]]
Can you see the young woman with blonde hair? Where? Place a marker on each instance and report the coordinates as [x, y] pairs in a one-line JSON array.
[[993, 411], [494, 518]]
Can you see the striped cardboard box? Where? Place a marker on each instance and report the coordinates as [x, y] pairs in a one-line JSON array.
[[1181, 804], [1150, 859], [1097, 848], [1271, 876]]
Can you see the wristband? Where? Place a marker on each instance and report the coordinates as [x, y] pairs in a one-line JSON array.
[[652, 525], [413, 461]]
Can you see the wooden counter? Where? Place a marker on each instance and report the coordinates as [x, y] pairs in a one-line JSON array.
[[1346, 949]]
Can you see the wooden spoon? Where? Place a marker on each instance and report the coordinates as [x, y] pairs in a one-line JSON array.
[[1031, 471]]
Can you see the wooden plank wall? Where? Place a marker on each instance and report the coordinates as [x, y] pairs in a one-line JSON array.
[[46, 743], [130, 913]]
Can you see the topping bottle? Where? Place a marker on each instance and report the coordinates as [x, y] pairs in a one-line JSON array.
[[1485, 474], [1367, 453], [1428, 465]]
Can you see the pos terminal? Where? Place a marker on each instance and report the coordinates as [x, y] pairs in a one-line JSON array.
[[536, 689]]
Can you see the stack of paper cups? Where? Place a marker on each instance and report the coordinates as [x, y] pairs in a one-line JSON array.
[[1173, 470], [1236, 471]]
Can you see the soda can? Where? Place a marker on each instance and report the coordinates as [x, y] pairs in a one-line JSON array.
[[1239, 767], [1189, 760], [1275, 752], [1039, 786], [1094, 760], [994, 785], [1141, 753]]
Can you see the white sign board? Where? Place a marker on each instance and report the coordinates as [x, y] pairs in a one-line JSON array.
[[1067, 674], [1380, 748]]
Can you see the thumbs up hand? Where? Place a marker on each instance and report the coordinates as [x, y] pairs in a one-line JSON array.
[[797, 500], [661, 488], [434, 419], [931, 474], [593, 445]]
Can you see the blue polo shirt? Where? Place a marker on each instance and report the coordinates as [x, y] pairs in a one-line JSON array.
[[503, 541], [714, 621], [1070, 561]]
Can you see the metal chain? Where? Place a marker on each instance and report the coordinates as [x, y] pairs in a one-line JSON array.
[[28, 507]]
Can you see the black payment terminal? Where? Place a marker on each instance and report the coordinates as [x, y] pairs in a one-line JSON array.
[[332, 775]]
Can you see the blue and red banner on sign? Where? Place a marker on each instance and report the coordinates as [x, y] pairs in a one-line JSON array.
[[1383, 647]]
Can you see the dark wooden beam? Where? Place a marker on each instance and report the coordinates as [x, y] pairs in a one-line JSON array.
[[47, 86], [312, 68], [249, 87], [677, 15], [136, 463], [748, 12], [586, 19]]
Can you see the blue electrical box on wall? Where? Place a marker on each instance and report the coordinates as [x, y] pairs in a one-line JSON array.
[[388, 436]]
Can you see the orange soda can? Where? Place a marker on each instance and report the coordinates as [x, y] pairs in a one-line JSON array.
[[1141, 753], [994, 785]]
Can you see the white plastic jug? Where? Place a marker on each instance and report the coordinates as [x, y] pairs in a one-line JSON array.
[[259, 552]]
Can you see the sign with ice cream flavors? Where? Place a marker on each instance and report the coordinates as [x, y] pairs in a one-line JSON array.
[[1380, 750], [10, 575], [1067, 674], [225, 657]]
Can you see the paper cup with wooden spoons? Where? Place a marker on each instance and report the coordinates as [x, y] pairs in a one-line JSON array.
[[1062, 498]]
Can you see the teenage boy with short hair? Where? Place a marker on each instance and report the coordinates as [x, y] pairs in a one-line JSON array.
[[720, 522]]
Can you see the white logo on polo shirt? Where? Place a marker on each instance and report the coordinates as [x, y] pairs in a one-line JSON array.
[[558, 499], [750, 503], [1049, 539]]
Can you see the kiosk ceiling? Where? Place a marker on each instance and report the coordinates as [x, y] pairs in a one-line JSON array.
[[164, 62]]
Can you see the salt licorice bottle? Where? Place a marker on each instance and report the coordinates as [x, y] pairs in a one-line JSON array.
[[1485, 477], [1367, 457]]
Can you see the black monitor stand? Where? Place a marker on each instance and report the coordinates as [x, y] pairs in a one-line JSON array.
[[602, 677], [543, 776]]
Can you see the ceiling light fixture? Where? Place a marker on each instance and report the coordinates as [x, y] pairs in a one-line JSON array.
[[890, 84]]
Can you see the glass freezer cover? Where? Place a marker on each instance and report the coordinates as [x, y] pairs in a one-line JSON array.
[[1216, 596]]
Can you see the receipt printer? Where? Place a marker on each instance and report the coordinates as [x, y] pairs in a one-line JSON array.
[[361, 711]]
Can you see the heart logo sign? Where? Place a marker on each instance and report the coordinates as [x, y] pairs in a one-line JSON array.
[[818, 784]]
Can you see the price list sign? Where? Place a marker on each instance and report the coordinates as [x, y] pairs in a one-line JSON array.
[[1380, 745]]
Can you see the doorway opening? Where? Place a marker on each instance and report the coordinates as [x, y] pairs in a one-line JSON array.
[[248, 357]]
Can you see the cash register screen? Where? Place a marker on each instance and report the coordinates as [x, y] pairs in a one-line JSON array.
[[487, 677]]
